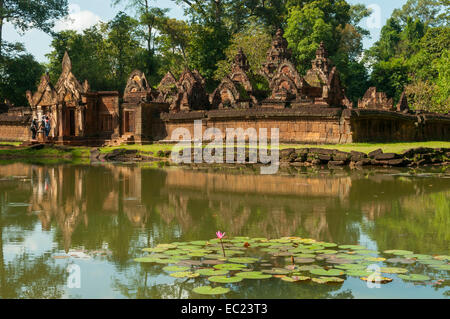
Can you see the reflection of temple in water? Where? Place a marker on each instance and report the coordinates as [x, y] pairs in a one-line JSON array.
[[192, 202]]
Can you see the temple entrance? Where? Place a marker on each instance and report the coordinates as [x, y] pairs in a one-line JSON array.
[[128, 122], [71, 122]]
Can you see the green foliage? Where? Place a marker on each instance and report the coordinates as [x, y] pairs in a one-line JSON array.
[[336, 24], [412, 55], [104, 55], [37, 14], [390, 76], [14, 82], [255, 40]]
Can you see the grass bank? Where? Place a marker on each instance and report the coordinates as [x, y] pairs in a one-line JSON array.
[[48, 154], [359, 147]]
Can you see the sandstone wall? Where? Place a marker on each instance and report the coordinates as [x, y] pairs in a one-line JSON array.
[[317, 126], [388, 126], [10, 132]]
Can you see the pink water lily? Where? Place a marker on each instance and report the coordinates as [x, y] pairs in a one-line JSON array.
[[220, 235]]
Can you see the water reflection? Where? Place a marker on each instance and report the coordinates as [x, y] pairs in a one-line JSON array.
[[125, 208]]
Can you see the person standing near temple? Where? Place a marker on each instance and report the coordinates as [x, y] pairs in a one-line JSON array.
[[47, 127], [34, 128]]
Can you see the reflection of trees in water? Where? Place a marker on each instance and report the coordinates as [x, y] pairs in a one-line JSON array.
[[31, 277], [25, 276], [413, 223], [128, 208]]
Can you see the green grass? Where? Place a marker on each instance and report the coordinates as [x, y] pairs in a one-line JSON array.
[[360, 147], [369, 147], [154, 148], [72, 153], [11, 143]]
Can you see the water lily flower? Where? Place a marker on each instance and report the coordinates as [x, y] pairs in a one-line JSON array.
[[220, 235]]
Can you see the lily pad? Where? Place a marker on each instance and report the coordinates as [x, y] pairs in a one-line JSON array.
[[375, 259], [442, 257], [155, 249], [414, 277], [418, 256], [276, 271], [208, 290], [176, 268], [146, 260], [339, 261], [324, 272], [431, 262], [225, 280], [352, 247], [295, 278], [404, 261], [243, 260], [253, 275], [398, 252], [441, 267], [212, 272], [229, 266], [393, 270], [184, 274], [350, 266], [358, 273], [326, 280], [327, 251], [167, 246], [377, 279], [304, 260]]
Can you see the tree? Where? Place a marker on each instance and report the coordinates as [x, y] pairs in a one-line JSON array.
[[173, 41], [151, 18], [433, 13], [14, 82], [255, 41], [27, 14], [336, 23]]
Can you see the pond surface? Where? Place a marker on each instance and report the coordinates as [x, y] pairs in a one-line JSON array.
[[103, 216]]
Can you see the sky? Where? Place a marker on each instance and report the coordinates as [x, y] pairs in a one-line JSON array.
[[85, 13]]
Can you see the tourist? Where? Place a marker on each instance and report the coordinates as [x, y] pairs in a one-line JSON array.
[[34, 128], [47, 127]]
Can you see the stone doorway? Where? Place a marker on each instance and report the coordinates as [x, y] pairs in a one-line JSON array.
[[129, 123], [71, 122]]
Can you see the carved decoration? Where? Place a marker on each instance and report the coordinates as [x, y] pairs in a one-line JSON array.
[[277, 54], [375, 100], [191, 92], [167, 89], [68, 88], [235, 90], [402, 105], [137, 88], [45, 95]]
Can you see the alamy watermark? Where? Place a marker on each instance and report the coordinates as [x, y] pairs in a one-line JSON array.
[[259, 148]]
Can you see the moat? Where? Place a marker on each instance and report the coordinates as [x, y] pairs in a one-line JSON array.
[[100, 217]]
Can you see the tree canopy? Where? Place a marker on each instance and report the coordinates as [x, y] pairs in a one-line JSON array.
[[411, 54]]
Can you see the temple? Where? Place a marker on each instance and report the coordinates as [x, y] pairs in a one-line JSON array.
[[307, 109]]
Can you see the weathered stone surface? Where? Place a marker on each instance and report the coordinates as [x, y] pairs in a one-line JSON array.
[[375, 153], [336, 163], [386, 156], [278, 53], [341, 156], [375, 100], [357, 156]]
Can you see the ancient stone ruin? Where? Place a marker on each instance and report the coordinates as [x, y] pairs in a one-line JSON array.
[[375, 100], [306, 109], [278, 53], [191, 93], [236, 89]]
